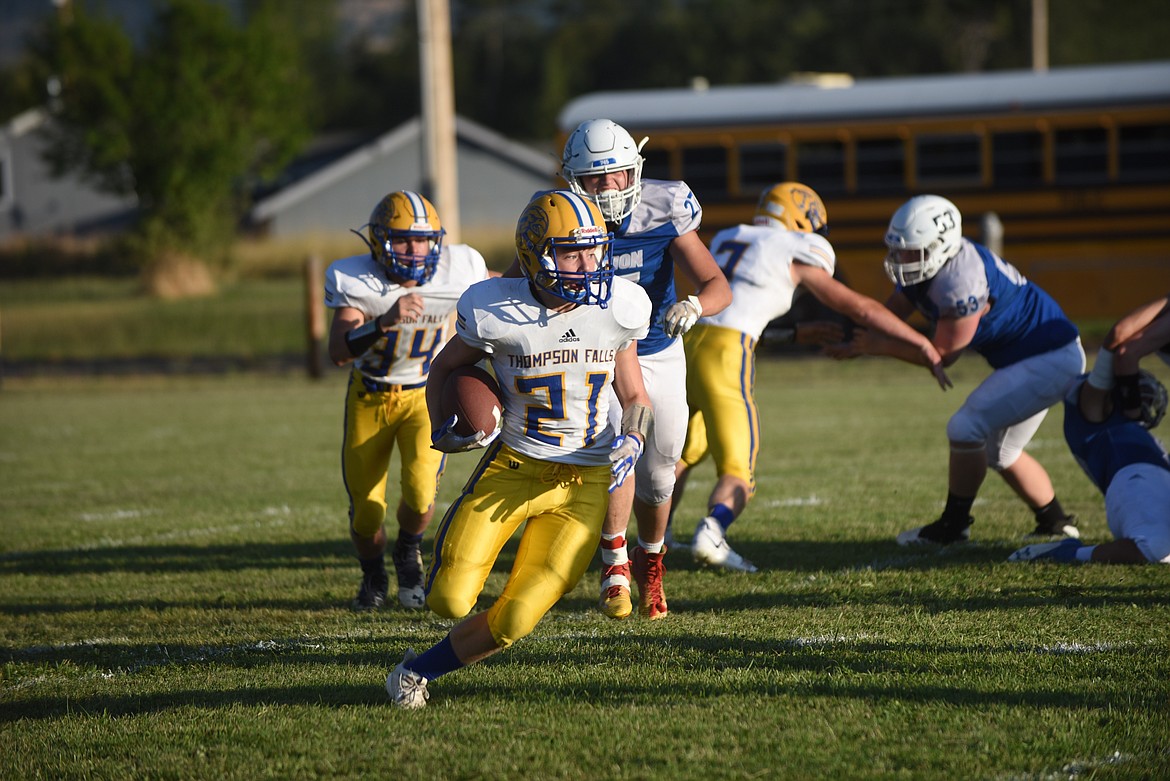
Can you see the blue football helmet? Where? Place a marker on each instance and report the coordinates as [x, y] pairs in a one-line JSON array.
[[401, 215], [559, 221]]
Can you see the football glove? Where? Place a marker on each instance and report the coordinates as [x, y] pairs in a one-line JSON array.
[[446, 440], [681, 316], [623, 455]]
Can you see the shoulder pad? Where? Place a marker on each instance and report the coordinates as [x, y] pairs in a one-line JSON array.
[[815, 250], [630, 304]]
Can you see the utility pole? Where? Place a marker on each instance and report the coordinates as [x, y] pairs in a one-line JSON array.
[[440, 180], [1039, 35]]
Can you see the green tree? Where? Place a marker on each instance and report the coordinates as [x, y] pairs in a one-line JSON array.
[[187, 121]]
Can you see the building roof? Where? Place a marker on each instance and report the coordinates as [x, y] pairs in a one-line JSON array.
[[407, 133], [1006, 91]]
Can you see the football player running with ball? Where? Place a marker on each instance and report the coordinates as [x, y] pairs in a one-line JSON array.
[[654, 225], [557, 338], [1108, 416], [766, 262], [976, 300], [393, 313]]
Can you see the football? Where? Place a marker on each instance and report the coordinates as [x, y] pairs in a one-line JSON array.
[[473, 394]]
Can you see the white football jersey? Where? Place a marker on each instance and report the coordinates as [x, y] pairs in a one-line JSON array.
[[757, 261], [554, 368], [403, 355]]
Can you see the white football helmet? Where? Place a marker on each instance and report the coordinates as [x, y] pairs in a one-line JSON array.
[[601, 146], [924, 234]]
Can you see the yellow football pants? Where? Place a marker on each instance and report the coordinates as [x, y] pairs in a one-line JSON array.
[[562, 508], [375, 422], [721, 374]]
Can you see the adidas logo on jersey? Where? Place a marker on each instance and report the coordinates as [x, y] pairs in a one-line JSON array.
[[569, 336]]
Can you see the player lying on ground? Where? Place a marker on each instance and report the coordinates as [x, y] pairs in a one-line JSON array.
[[1108, 416]]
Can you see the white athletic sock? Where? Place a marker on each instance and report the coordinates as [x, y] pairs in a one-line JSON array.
[[650, 547]]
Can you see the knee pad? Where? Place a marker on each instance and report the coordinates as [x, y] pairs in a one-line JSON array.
[[448, 606], [510, 620], [656, 485], [965, 426], [366, 517]]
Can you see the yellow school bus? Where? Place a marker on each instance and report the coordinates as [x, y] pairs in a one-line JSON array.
[[1073, 163]]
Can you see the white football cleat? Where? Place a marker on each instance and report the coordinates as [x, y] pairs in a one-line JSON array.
[[709, 546], [407, 689], [1064, 551]]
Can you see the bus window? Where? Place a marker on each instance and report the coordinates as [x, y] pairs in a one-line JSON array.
[[761, 166], [949, 159], [657, 165], [821, 165], [1144, 153], [880, 163], [704, 168], [1017, 159], [1082, 154]]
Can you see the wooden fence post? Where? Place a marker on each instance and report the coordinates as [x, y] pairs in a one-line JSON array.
[[992, 229], [314, 317]]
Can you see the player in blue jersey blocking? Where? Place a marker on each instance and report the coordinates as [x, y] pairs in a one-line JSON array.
[[976, 300], [1108, 416], [655, 224]]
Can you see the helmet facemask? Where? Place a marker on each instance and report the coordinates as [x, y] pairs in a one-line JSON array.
[[578, 287], [405, 215], [419, 268], [911, 265]]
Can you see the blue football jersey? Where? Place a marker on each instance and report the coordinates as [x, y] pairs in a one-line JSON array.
[[666, 211], [1023, 319], [1103, 448]]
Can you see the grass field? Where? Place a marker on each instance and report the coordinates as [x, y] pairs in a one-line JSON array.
[[175, 578]]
